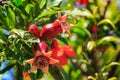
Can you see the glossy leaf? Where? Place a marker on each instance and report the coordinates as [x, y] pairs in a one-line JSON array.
[[20, 33], [11, 16], [18, 2], [76, 12], [91, 45], [104, 21], [109, 65], [53, 3], [46, 13], [108, 39], [95, 11], [62, 39], [28, 8], [42, 3]]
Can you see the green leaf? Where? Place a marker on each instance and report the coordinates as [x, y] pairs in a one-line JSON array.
[[81, 26], [18, 10], [20, 33], [2, 36], [42, 3], [77, 12], [28, 8], [108, 39], [95, 10], [33, 40], [107, 21], [62, 39], [109, 65], [91, 45], [46, 12], [39, 74], [53, 3], [91, 78], [18, 2], [3, 18], [11, 17], [2, 42]]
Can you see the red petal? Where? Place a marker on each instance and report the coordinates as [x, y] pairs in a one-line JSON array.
[[54, 43], [53, 61], [43, 47], [37, 50], [33, 29], [44, 69], [68, 50], [31, 61], [48, 54], [33, 68], [62, 18], [62, 60], [84, 2], [58, 54], [50, 30], [94, 29]]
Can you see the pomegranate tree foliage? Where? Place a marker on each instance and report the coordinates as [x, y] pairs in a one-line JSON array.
[[94, 37]]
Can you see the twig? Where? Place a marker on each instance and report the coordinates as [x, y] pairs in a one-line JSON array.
[[107, 3]]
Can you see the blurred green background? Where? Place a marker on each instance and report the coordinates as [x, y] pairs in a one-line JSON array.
[[95, 37]]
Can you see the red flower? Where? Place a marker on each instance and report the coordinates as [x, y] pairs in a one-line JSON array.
[[33, 29], [84, 2], [26, 76], [41, 59], [94, 29], [53, 29], [61, 52]]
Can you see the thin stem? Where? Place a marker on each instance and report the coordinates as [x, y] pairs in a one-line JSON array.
[[107, 3]]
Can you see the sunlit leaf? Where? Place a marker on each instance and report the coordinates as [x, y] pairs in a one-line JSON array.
[[42, 3], [76, 12], [108, 39], [91, 78], [104, 21], [28, 8], [11, 17], [26, 76], [46, 13], [95, 10], [112, 78], [21, 33], [109, 65], [91, 45], [53, 3], [18, 10], [1, 41], [33, 40], [2, 36]]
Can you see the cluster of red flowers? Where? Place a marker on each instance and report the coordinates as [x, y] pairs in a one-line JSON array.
[[56, 54], [81, 3]]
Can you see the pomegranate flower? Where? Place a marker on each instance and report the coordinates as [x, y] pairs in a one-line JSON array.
[[94, 29], [26, 76], [61, 52], [82, 2], [33, 29], [53, 29], [42, 58]]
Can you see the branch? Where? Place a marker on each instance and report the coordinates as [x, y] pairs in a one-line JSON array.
[[107, 3]]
